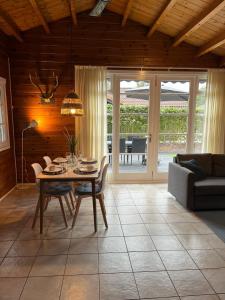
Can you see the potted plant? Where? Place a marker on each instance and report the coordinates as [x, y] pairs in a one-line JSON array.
[[72, 142]]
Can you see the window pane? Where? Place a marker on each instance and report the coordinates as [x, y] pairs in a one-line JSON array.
[[174, 109], [109, 121]]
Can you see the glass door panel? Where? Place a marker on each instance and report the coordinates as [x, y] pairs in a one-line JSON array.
[[173, 121], [134, 126]]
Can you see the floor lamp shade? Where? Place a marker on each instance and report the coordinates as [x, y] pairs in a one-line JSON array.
[[31, 125]]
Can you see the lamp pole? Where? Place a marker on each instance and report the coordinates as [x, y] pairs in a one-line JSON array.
[[32, 124]]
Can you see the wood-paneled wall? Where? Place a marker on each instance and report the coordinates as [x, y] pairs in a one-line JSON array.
[[7, 162], [95, 41]]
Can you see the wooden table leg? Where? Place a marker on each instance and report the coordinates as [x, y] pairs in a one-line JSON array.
[[41, 206], [94, 205]]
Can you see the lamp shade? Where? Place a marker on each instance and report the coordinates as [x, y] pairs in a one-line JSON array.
[[72, 105]]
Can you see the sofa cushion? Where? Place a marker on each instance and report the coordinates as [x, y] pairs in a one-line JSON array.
[[218, 165], [194, 166], [204, 160], [210, 186]]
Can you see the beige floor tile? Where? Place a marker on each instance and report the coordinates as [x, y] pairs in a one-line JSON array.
[[32, 234], [111, 220], [195, 242], [152, 218], [139, 243], [158, 229], [166, 242], [190, 282], [127, 210], [9, 234], [44, 288], [83, 231], [11, 288], [202, 228], [177, 260], [200, 241], [171, 298], [4, 247], [82, 264], [180, 218], [25, 248], [80, 287], [49, 265], [111, 244], [110, 210], [184, 228], [124, 201], [221, 252], [114, 263], [207, 259], [216, 277], [154, 284], [83, 245], [202, 297], [58, 233], [117, 287], [131, 219], [222, 296], [112, 230], [16, 266], [134, 230], [54, 247], [144, 208], [146, 261]]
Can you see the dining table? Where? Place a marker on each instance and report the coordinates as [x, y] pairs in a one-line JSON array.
[[70, 175]]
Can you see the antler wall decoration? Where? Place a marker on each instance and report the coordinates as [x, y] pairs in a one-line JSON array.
[[46, 96]]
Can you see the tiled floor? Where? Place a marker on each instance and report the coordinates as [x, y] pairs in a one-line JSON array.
[[153, 249]]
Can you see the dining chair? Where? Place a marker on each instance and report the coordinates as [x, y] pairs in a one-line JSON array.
[[48, 162], [51, 190], [84, 191]]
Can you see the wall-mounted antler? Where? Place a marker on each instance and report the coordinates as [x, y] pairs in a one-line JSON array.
[[47, 95]]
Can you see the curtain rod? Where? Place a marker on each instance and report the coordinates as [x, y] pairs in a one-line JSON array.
[[157, 68]]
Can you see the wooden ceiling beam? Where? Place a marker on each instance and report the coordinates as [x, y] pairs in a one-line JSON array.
[[39, 15], [127, 12], [161, 16], [212, 44], [205, 15], [11, 25], [73, 11]]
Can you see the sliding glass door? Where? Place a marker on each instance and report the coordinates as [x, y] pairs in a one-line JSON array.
[[151, 117]]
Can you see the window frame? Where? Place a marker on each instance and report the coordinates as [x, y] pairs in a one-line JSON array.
[[4, 145]]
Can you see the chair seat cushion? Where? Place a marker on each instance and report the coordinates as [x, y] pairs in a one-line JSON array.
[[86, 188], [57, 189], [210, 186]]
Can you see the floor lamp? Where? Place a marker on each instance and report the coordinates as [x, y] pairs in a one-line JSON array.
[[32, 124]]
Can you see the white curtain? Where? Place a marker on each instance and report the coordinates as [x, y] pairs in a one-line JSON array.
[[90, 85], [214, 129]]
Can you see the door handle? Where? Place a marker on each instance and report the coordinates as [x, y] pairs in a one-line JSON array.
[[149, 137]]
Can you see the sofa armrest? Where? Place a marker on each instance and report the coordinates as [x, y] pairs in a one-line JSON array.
[[181, 184]]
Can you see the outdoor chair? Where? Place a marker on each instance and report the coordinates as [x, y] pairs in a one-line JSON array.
[[139, 147]]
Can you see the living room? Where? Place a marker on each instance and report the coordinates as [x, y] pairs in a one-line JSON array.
[[112, 149]]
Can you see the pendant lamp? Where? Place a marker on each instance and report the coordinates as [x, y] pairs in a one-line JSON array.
[[72, 105]]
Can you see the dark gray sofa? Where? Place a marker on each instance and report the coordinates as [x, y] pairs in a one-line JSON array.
[[206, 194]]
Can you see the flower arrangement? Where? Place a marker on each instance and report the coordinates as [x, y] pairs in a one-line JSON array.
[[71, 140]]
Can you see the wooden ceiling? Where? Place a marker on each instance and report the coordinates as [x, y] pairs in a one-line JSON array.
[[198, 22]]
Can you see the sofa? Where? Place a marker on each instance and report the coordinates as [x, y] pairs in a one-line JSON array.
[[204, 194]]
